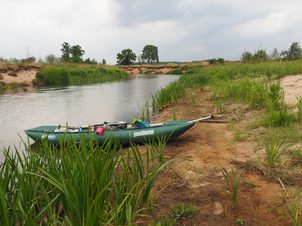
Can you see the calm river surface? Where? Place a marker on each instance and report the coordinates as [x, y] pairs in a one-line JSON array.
[[77, 105]]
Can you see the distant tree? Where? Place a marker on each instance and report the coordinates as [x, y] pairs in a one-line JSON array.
[[66, 51], [275, 55], [76, 54], [246, 57], [104, 61], [284, 55], [126, 57], [220, 61], [294, 51], [52, 59], [88, 61], [260, 56], [28, 60], [150, 54]]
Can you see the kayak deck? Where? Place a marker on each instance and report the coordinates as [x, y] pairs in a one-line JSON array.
[[126, 135]]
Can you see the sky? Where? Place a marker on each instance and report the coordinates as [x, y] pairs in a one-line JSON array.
[[183, 30]]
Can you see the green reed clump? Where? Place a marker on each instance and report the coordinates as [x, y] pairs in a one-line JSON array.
[[145, 111], [273, 148], [299, 112], [74, 184], [73, 74], [168, 95], [53, 76], [253, 92], [232, 180]]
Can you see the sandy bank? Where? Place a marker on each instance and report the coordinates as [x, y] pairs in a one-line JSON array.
[[18, 74], [149, 69]]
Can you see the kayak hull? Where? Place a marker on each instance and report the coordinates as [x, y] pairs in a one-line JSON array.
[[169, 130]]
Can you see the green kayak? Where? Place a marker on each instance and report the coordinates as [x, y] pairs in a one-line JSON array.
[[125, 133]]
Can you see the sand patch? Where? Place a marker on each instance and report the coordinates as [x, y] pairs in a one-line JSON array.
[[23, 77], [292, 86]]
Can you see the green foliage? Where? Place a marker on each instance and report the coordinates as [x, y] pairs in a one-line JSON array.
[[246, 57], [52, 59], [72, 54], [65, 52], [76, 52], [150, 54], [89, 61], [104, 61], [232, 180], [294, 52], [299, 107], [216, 61], [74, 184], [67, 74], [53, 76], [126, 57], [279, 118], [28, 60], [273, 149], [260, 56], [183, 211]]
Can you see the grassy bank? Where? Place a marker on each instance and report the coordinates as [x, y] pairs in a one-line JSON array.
[[74, 74], [78, 185], [250, 83]]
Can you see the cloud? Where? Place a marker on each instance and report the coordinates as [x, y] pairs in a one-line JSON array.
[[183, 30]]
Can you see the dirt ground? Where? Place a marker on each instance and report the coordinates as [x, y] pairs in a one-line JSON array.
[[195, 176]]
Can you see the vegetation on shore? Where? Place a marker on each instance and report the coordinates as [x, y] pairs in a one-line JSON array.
[[75, 74], [78, 185]]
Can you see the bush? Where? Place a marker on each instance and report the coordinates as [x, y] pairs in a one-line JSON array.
[[53, 76]]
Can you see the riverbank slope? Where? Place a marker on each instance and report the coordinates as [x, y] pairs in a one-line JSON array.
[[246, 172]]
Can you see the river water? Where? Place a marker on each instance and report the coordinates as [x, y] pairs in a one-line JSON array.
[[75, 105]]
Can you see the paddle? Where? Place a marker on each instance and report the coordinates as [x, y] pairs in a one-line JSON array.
[[210, 118]]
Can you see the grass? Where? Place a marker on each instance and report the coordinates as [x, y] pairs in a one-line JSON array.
[[82, 184], [74, 74], [232, 180], [273, 149], [180, 211]]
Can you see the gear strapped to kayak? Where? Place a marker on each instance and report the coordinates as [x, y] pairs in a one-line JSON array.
[[138, 131]]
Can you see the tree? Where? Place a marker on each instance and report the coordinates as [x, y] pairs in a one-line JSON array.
[[284, 55], [150, 54], [76, 54], [88, 61], [52, 59], [126, 57], [275, 55], [66, 48], [246, 57], [104, 61], [294, 51]]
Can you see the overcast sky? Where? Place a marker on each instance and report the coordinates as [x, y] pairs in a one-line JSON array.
[[183, 30]]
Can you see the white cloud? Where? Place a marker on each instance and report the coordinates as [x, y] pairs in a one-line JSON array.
[[182, 29], [273, 23]]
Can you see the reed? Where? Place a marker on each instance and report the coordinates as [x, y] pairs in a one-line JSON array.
[[73, 74], [273, 149], [232, 180], [82, 184], [299, 107]]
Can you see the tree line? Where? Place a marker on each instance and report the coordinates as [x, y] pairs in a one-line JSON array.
[[294, 52], [149, 55]]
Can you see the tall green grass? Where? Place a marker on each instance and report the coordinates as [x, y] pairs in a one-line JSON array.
[[71, 74], [82, 184]]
